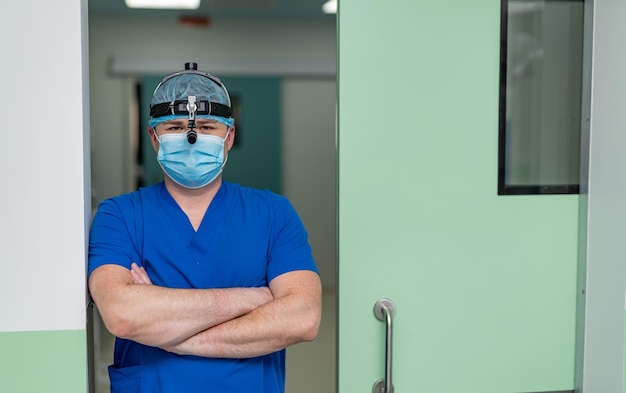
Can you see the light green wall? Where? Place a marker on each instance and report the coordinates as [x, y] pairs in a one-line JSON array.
[[485, 287], [45, 361]]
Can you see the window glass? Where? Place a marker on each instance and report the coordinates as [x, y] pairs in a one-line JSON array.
[[540, 96]]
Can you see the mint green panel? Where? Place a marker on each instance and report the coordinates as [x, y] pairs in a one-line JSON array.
[[484, 285], [256, 158], [50, 361]]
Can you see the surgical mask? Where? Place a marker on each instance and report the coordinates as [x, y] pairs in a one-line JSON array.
[[192, 165]]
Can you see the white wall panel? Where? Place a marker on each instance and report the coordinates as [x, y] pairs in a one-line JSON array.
[[600, 349], [42, 205]]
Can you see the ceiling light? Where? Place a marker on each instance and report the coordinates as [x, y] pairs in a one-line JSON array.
[[175, 4], [330, 7]]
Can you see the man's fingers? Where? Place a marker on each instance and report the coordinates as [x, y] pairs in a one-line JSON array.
[[139, 275]]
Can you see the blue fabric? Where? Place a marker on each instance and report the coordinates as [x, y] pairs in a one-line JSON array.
[[247, 238], [227, 121]]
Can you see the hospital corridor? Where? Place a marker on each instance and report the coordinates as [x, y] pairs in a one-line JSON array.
[[458, 168]]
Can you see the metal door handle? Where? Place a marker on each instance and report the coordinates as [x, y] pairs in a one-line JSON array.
[[384, 310]]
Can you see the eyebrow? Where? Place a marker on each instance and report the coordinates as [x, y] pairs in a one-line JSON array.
[[174, 122]]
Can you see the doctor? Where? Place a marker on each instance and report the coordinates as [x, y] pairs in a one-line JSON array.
[[203, 282]]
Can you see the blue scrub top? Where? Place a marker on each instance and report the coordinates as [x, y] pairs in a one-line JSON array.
[[247, 238]]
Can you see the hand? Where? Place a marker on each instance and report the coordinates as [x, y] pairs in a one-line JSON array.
[[139, 274], [264, 294], [261, 296]]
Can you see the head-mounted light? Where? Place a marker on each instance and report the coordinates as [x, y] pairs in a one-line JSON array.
[[180, 108], [188, 103]]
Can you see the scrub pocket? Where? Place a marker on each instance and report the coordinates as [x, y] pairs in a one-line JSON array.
[[135, 379]]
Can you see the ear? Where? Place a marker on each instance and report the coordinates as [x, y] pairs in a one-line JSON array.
[[231, 138], [153, 138]]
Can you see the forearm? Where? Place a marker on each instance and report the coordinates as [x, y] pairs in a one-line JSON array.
[[284, 321], [159, 316], [173, 315]]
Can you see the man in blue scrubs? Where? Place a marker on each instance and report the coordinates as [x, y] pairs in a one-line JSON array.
[[203, 282]]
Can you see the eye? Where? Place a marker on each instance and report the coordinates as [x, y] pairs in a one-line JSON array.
[[173, 128], [207, 127]]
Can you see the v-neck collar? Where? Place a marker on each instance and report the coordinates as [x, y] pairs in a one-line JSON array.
[[180, 219]]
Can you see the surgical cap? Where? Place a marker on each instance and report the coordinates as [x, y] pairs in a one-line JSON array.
[[181, 86]]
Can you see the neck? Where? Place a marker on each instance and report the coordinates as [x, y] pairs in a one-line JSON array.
[[194, 202]]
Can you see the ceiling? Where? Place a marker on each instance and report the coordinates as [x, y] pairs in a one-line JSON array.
[[264, 9]]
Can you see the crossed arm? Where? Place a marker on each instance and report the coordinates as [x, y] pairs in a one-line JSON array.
[[229, 322]]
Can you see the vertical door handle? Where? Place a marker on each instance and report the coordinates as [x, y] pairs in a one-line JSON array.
[[384, 310]]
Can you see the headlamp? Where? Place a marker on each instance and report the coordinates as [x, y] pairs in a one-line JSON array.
[[191, 106], [180, 108]]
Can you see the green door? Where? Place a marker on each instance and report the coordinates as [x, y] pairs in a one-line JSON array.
[[483, 285]]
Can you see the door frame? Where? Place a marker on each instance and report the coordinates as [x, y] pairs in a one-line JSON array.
[[602, 250]]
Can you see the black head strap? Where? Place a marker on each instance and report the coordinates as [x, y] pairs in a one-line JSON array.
[[180, 108]]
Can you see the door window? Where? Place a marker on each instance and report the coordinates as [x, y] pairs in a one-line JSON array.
[[541, 60]]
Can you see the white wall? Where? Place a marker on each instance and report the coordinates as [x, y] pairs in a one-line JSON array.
[[42, 245], [309, 180], [309, 157]]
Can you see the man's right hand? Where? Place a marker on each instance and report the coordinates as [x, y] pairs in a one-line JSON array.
[[132, 307]]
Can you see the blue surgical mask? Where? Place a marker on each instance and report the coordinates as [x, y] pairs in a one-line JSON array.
[[191, 165]]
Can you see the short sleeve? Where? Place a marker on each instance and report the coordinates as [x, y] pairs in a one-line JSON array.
[[289, 249], [113, 236]]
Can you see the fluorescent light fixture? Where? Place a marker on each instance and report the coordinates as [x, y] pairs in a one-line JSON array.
[[330, 7], [173, 4]]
